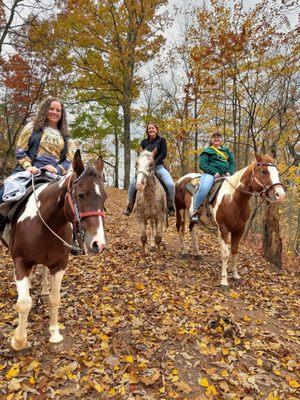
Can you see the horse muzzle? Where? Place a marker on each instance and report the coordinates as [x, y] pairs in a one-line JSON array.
[[277, 195]]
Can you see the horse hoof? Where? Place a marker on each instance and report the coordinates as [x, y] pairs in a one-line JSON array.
[[18, 344], [198, 257], [184, 255], [45, 293], [56, 338], [236, 277], [224, 287]]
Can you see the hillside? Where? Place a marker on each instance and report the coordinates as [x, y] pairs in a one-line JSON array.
[[156, 333]]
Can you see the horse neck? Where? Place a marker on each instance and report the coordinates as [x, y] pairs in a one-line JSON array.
[[242, 180], [149, 187], [56, 195]]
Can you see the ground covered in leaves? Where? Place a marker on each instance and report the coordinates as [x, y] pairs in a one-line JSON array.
[[156, 332]]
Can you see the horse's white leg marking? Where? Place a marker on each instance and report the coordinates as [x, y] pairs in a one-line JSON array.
[[234, 266], [194, 240], [54, 300], [31, 208], [224, 257], [45, 281], [24, 303], [181, 233], [152, 234]]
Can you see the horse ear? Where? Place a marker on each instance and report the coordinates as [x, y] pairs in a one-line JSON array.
[[258, 157], [78, 166], [99, 165]]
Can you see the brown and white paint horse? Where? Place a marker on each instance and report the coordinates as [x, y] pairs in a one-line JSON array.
[[80, 192], [151, 203], [230, 209]]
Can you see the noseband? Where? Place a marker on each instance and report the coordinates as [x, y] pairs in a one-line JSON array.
[[77, 215], [264, 193]]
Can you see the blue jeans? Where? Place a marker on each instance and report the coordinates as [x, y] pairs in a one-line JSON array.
[[206, 183], [164, 176]]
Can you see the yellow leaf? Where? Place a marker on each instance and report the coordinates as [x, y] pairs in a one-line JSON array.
[[99, 388], [112, 391], [129, 359], [246, 318], [162, 390], [33, 365], [175, 378], [234, 295], [203, 382], [218, 307], [237, 341], [259, 362], [31, 380], [294, 384], [140, 286], [211, 390], [104, 345], [224, 373], [13, 371], [276, 372], [272, 396]]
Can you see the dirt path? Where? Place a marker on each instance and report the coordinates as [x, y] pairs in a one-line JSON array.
[[156, 333]]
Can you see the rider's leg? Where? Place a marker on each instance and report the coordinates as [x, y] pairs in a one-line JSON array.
[[131, 197], [3, 218], [163, 174], [206, 183]]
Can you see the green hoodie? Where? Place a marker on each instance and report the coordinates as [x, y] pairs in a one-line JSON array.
[[213, 163]]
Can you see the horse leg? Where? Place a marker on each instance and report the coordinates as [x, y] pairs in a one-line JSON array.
[[143, 226], [54, 300], [158, 237], [194, 241], [45, 281], [24, 304], [152, 235], [223, 240], [180, 216], [235, 241]]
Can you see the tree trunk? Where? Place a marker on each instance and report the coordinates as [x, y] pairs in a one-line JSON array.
[[127, 147], [116, 183], [272, 242]]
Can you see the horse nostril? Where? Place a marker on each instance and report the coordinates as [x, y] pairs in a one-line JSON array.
[[95, 248]]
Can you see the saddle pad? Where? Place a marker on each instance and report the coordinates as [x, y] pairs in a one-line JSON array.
[[192, 186]]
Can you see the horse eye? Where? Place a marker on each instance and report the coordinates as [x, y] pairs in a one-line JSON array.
[[263, 172], [81, 196]]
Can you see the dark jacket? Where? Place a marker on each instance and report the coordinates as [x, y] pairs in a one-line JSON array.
[[213, 163], [158, 143]]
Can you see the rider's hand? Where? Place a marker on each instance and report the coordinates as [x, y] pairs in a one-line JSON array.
[[32, 170], [217, 175], [50, 168]]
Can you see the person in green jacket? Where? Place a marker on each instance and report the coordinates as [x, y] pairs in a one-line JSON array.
[[215, 160]]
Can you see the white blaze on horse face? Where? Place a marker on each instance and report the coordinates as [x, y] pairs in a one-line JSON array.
[[279, 191], [143, 163], [97, 189], [31, 207]]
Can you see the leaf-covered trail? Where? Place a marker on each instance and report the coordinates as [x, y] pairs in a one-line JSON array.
[[155, 332]]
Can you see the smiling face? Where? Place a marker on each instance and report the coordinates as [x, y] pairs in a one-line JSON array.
[[217, 141], [54, 114], [152, 131]]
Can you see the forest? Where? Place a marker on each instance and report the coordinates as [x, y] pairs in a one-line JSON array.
[[193, 68]]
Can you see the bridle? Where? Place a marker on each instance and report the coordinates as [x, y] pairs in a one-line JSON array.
[[77, 216], [264, 193]]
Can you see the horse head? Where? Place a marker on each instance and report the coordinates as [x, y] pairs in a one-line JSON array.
[[265, 179], [144, 168], [85, 205]]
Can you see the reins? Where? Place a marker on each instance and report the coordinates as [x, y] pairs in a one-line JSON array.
[[45, 223], [264, 193], [77, 215]]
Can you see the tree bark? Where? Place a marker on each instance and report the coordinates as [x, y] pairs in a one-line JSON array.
[[272, 242], [127, 147], [116, 183]]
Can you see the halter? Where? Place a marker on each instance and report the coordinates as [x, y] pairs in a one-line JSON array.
[[77, 215], [264, 193]]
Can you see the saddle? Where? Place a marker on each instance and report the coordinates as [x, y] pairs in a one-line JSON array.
[[9, 210], [193, 185]]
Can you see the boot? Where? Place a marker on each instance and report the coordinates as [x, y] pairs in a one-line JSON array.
[[129, 207], [195, 217], [171, 210]]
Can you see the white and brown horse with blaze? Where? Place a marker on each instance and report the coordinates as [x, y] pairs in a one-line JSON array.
[[77, 200], [151, 204], [230, 208]]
